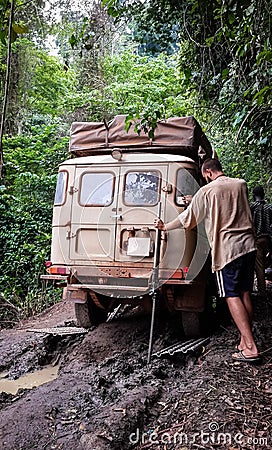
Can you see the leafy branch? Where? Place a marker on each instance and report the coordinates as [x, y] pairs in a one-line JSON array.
[[145, 121]]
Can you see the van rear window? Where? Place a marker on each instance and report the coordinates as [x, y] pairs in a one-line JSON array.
[[60, 193], [96, 189], [141, 188], [186, 184]]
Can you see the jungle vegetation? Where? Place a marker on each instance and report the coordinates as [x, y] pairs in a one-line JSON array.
[[150, 60]]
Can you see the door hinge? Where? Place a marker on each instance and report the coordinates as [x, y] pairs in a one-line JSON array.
[[167, 188], [72, 190], [70, 235]]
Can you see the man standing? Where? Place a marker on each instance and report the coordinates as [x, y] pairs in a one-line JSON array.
[[262, 219], [223, 205]]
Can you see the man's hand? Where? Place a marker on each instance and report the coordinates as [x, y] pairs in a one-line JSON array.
[[158, 223], [187, 199]]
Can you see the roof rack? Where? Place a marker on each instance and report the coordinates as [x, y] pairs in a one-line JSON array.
[[178, 135]]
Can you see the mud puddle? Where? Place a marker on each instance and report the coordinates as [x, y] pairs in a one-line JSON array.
[[28, 381]]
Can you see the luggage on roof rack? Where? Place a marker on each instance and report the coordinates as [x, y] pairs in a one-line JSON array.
[[178, 135]]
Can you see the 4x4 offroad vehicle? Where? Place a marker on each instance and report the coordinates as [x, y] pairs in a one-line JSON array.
[[103, 235]]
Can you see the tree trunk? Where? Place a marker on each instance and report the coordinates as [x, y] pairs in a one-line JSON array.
[[7, 78]]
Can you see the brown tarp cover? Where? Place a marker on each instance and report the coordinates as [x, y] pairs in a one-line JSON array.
[[179, 135]]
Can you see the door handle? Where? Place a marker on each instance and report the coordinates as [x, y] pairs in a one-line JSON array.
[[117, 216]]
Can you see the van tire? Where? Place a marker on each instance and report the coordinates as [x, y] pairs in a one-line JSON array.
[[191, 323], [88, 314], [83, 315]]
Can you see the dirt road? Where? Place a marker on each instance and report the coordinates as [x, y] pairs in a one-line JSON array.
[[106, 397]]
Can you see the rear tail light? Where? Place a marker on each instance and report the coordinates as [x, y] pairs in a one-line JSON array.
[[54, 270], [48, 264], [178, 274]]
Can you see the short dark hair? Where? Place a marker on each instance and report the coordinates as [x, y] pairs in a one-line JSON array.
[[213, 164], [258, 191]]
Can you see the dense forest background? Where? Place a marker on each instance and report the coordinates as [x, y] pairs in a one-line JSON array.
[[64, 61]]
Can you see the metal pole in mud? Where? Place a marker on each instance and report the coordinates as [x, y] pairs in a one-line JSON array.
[[155, 279]]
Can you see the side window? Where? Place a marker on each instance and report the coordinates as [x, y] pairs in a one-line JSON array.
[[60, 194], [96, 189], [142, 188], [186, 184]]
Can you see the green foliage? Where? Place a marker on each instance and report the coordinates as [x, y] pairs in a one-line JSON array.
[[132, 84], [89, 29], [50, 85], [243, 162], [225, 50], [18, 27], [26, 214], [147, 121], [43, 85], [135, 83], [154, 37]]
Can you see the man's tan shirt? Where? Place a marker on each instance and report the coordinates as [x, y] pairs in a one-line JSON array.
[[223, 205]]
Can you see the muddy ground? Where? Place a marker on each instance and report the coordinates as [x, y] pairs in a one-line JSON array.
[[107, 397]]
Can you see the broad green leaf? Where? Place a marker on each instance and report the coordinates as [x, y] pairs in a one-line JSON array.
[[73, 41], [19, 29], [265, 55], [225, 73], [210, 40]]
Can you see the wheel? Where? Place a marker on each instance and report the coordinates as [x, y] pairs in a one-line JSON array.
[[83, 315], [191, 323], [89, 314]]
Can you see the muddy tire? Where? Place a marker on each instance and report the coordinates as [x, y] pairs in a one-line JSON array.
[[191, 323], [83, 315], [88, 314]]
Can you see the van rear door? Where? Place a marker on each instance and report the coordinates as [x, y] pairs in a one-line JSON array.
[[93, 222], [109, 205], [141, 187]]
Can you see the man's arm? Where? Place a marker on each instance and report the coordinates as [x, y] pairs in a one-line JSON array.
[[189, 218], [167, 226]]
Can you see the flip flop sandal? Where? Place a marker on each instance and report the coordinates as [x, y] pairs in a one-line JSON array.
[[242, 358], [238, 349]]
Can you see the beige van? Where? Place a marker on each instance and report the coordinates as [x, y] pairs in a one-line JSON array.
[[103, 237]]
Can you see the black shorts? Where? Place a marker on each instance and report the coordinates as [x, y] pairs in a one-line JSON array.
[[237, 276]]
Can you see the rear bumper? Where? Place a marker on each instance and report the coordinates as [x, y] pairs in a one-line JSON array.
[[125, 290], [54, 277]]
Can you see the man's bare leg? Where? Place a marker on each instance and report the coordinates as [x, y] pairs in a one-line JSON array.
[[241, 318], [245, 296], [247, 304]]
